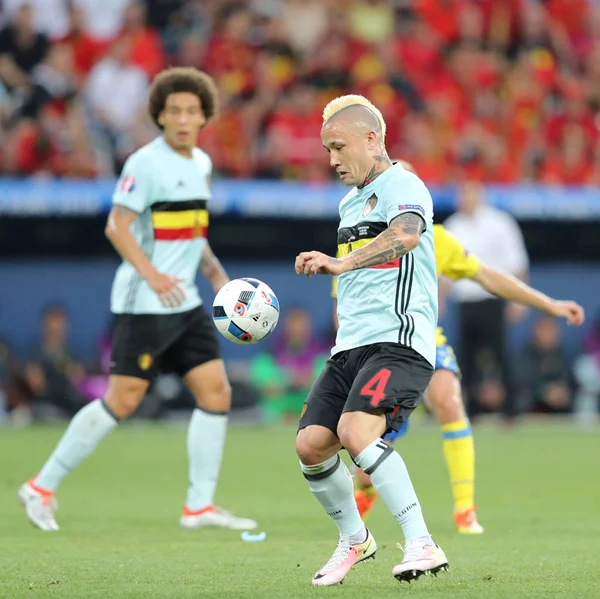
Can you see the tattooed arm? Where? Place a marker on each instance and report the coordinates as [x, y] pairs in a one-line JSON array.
[[212, 269], [402, 236]]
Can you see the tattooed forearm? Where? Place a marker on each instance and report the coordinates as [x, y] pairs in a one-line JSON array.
[[381, 161], [211, 267], [398, 239]]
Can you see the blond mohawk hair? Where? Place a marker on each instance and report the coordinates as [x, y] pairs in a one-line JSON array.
[[338, 104]]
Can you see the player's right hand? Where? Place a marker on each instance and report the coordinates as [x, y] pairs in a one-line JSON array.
[[167, 288], [573, 313]]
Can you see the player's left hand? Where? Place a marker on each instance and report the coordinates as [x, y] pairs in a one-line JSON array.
[[316, 263], [573, 313]]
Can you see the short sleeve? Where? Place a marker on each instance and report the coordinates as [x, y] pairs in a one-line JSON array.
[[457, 263], [407, 193], [134, 187]]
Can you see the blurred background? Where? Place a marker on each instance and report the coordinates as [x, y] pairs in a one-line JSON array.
[[496, 103]]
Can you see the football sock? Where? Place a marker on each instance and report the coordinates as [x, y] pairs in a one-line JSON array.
[[331, 483], [391, 480], [459, 450], [205, 443], [87, 428]]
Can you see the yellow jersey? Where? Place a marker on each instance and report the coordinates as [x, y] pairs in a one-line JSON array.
[[452, 261]]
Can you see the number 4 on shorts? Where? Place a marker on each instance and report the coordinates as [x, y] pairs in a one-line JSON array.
[[375, 386]]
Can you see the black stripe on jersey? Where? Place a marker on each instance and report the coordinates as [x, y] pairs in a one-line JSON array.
[[411, 328], [362, 230], [403, 292], [179, 205], [401, 271]]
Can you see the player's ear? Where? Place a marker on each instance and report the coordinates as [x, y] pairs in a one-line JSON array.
[[372, 138], [161, 118]]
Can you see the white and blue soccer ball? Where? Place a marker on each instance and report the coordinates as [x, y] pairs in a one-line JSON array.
[[245, 311]]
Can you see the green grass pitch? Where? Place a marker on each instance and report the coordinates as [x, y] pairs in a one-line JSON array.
[[538, 491]]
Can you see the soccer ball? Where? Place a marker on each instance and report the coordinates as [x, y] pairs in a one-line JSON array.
[[245, 311]]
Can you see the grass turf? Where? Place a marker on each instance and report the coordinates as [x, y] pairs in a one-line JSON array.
[[537, 488]]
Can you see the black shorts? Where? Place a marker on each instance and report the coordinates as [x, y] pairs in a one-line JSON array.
[[385, 376], [144, 344]]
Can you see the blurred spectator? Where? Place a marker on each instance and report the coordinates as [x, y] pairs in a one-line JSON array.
[[586, 371], [494, 237], [143, 42], [21, 49], [501, 90], [94, 383], [13, 391], [114, 114], [52, 82], [49, 17], [52, 373], [283, 376], [103, 20], [544, 372], [293, 144], [86, 49]]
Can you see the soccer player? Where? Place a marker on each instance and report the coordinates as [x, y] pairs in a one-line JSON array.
[[158, 224], [385, 348], [443, 394]]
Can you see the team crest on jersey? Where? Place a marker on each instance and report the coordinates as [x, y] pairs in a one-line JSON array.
[[144, 361], [128, 184], [370, 205]]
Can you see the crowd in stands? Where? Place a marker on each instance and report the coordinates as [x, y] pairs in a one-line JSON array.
[[497, 90]]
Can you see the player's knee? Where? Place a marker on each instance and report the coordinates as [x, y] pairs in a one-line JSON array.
[[447, 405], [450, 408], [217, 399], [315, 447], [124, 400], [357, 430]]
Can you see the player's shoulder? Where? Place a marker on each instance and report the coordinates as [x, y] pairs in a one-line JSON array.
[[146, 155], [202, 159], [398, 177]]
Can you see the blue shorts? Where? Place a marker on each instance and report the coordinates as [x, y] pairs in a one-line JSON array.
[[445, 359]]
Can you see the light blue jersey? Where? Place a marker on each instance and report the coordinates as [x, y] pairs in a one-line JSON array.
[[170, 193], [394, 302]]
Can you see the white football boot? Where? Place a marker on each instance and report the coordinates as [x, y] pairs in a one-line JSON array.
[[214, 517], [419, 559], [344, 558], [39, 505]]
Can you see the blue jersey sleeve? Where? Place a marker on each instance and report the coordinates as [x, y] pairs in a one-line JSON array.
[[134, 187], [407, 193]]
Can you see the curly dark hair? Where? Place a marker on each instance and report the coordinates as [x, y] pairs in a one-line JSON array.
[[183, 79]]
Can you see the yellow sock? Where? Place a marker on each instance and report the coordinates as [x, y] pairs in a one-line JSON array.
[[460, 458]]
